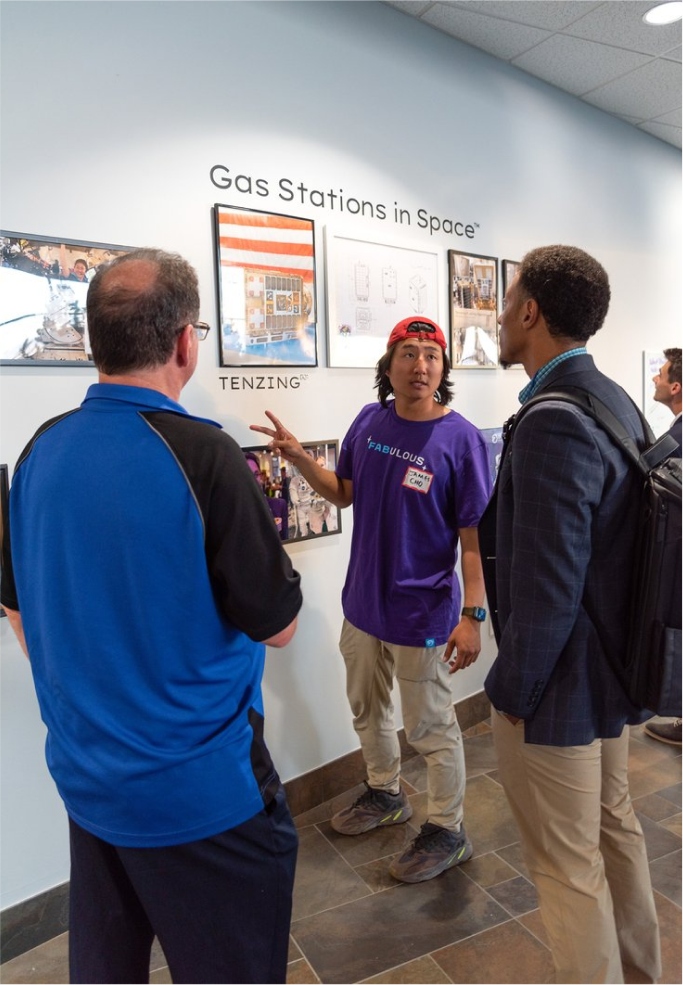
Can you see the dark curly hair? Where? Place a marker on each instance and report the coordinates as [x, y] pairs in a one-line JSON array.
[[674, 358], [443, 395], [570, 287]]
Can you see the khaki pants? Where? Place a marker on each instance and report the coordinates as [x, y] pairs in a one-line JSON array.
[[428, 716], [585, 851]]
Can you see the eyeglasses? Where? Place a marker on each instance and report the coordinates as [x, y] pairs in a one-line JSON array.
[[418, 327], [201, 329]]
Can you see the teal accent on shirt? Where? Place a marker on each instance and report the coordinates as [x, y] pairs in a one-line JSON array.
[[540, 374]]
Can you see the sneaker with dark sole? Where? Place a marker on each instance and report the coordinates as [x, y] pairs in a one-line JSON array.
[[669, 732], [434, 850], [373, 809]]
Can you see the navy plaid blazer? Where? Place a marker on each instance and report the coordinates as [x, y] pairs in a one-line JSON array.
[[564, 518]]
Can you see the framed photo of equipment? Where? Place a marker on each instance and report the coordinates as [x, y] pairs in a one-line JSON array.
[[43, 287], [473, 294], [4, 519], [370, 287], [299, 512], [266, 288], [509, 270]]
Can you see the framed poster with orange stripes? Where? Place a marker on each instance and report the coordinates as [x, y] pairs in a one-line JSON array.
[[266, 288]]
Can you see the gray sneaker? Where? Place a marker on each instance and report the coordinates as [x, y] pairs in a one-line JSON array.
[[434, 850], [669, 732], [373, 809]]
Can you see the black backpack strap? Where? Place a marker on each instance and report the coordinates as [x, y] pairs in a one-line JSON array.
[[653, 455]]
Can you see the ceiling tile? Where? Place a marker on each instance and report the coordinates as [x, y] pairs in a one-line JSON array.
[[412, 7], [674, 119], [629, 119], [578, 66], [672, 135], [674, 54], [552, 15], [647, 92], [620, 23], [500, 38]]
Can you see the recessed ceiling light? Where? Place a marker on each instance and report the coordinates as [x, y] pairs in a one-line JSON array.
[[664, 13]]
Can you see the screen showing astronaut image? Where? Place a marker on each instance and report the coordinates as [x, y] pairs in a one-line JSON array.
[[43, 287], [4, 515], [299, 513]]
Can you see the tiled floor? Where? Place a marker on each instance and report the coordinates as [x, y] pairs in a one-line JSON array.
[[353, 923]]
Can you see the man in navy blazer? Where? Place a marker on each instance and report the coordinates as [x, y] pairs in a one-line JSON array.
[[564, 516], [668, 392]]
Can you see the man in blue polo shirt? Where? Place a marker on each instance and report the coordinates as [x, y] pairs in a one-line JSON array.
[[148, 650]]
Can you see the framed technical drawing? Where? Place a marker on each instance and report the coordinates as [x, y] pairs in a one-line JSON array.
[[43, 287], [473, 292], [658, 416], [371, 287], [266, 288], [4, 517], [299, 512], [509, 270]]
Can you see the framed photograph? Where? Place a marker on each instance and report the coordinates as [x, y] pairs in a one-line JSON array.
[[473, 292], [494, 449], [299, 512], [4, 517], [370, 287], [509, 270], [266, 288], [658, 416], [43, 286]]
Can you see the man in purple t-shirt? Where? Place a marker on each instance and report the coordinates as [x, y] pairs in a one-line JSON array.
[[417, 475]]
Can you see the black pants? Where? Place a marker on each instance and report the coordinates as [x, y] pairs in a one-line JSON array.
[[221, 907]]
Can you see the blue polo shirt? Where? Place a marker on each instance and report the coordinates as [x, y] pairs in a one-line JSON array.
[[147, 570]]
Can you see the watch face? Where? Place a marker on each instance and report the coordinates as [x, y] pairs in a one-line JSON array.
[[475, 611]]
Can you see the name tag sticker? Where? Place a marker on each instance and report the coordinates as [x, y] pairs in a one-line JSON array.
[[416, 479]]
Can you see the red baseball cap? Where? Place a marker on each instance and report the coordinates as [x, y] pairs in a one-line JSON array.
[[423, 329]]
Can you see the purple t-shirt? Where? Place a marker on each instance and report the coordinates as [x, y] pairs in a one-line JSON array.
[[415, 483]]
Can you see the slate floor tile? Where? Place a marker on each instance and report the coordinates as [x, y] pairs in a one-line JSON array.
[[300, 973], [489, 870], [48, 962], [480, 756], [669, 916], [323, 879], [518, 896], [513, 855], [363, 939], [424, 970], [507, 953], [672, 824], [672, 793], [662, 774], [665, 873], [659, 840], [534, 924], [655, 806], [372, 845]]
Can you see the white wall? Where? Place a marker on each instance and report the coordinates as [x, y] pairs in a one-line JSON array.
[[113, 115]]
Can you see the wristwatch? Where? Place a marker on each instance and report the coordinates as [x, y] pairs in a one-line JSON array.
[[475, 611]]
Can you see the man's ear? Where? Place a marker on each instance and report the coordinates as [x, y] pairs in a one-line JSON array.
[[530, 312], [675, 389], [184, 345]]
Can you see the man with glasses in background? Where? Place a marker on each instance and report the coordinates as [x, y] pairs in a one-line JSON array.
[[144, 614], [418, 477]]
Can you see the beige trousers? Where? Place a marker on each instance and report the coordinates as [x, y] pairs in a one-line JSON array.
[[428, 716], [585, 851]]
